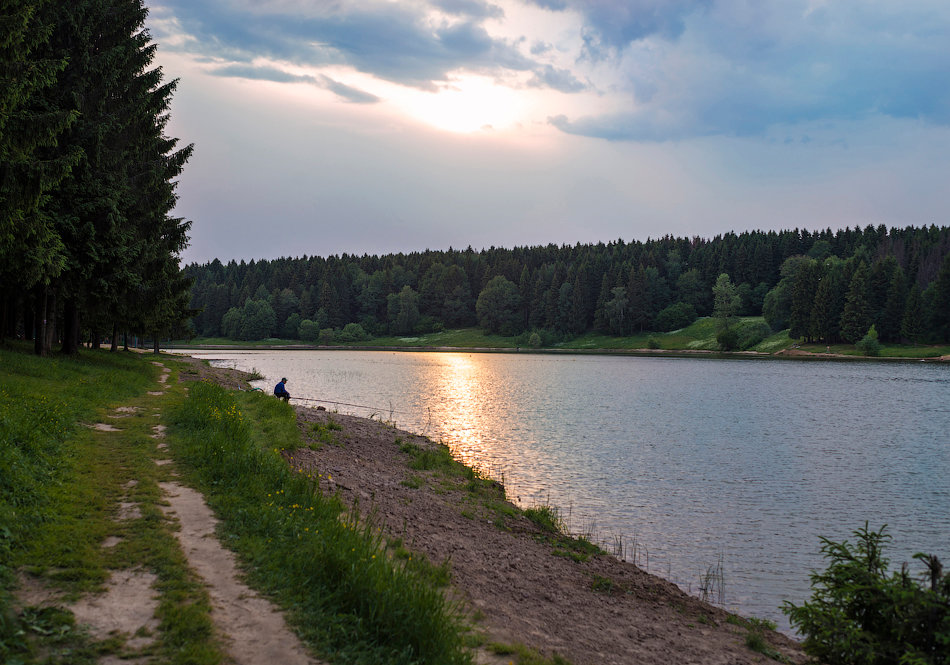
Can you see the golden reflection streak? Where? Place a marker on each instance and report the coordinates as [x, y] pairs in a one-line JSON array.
[[461, 392]]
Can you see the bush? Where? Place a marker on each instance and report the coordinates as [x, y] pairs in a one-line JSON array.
[[860, 614], [534, 341], [728, 339], [308, 330], [653, 343], [678, 315], [352, 332], [868, 345], [327, 335], [752, 334]]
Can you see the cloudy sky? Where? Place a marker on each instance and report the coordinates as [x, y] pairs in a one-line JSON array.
[[378, 126]]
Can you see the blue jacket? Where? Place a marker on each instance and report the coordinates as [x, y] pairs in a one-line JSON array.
[[280, 390]]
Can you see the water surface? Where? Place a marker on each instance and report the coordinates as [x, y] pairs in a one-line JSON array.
[[684, 462]]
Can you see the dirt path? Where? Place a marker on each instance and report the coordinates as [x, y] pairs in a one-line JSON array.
[[252, 629]]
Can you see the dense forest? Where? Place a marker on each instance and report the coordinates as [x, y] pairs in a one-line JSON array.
[[88, 246], [823, 286]]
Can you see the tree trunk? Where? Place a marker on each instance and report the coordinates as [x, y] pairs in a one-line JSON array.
[[70, 327], [155, 350], [95, 339], [6, 309], [39, 321], [115, 338], [29, 317], [125, 340], [51, 311]]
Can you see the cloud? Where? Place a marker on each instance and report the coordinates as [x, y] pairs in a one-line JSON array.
[[347, 92], [397, 42], [738, 69], [473, 8], [562, 80], [263, 73], [611, 25]]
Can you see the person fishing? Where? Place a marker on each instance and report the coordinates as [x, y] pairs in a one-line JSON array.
[[280, 390]]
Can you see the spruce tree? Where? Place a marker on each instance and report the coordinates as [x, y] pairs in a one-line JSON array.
[[31, 250], [912, 323], [856, 319], [890, 325], [804, 287], [941, 304]]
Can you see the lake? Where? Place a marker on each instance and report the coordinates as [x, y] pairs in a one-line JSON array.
[[683, 462]]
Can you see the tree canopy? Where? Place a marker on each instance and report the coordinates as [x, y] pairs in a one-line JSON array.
[[87, 237], [797, 279]]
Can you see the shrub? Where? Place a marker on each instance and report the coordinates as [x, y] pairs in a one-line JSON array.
[[653, 343], [352, 332], [868, 345], [327, 335], [860, 614], [534, 341], [308, 330], [678, 315], [752, 334], [728, 339]]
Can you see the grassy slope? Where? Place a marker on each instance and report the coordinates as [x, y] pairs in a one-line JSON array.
[[60, 484], [699, 336]]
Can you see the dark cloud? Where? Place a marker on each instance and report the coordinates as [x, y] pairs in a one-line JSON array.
[[472, 8], [611, 25], [388, 40], [348, 93], [557, 79]]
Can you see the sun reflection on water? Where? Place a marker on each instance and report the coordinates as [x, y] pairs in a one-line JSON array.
[[460, 390]]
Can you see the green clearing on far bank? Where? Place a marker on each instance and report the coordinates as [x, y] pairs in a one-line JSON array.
[[699, 336]]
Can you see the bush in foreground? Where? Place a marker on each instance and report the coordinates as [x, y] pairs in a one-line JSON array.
[[860, 614]]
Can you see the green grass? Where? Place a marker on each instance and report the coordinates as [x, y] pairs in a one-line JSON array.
[[326, 564], [887, 350], [698, 336], [548, 518], [59, 485], [524, 655]]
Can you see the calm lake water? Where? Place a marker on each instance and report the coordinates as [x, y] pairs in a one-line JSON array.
[[688, 462]]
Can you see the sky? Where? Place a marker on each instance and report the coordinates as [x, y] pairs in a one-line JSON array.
[[380, 126]]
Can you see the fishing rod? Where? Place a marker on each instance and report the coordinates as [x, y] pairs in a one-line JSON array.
[[359, 406]]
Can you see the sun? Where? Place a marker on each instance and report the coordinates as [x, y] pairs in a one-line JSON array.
[[468, 104]]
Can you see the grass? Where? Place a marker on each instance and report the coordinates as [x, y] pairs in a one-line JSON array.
[[59, 484], [346, 594], [548, 518], [327, 565], [524, 655], [324, 433], [698, 336]]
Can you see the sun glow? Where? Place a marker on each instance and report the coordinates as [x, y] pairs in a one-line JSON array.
[[468, 104]]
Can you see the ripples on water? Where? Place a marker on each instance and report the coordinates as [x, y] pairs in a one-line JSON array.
[[686, 459]]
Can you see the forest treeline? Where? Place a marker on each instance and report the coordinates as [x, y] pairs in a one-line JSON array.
[[87, 242], [823, 286]]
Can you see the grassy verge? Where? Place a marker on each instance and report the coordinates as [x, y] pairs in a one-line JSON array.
[[327, 566], [698, 336], [60, 484]]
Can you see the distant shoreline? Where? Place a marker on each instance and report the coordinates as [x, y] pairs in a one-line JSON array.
[[784, 354]]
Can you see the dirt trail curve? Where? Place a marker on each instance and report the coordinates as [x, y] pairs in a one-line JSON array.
[[252, 630]]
